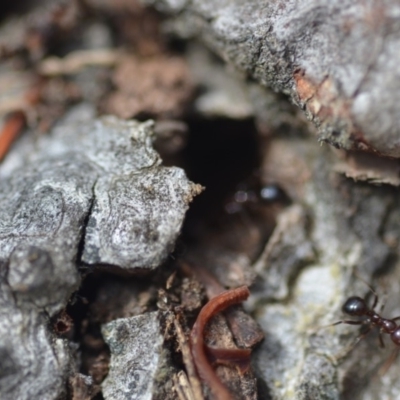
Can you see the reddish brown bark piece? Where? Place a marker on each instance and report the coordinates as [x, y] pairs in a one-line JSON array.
[[11, 128], [239, 358], [198, 348]]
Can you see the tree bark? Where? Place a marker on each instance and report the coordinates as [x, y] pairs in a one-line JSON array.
[[337, 60]]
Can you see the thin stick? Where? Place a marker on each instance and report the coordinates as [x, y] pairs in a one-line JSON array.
[[188, 362]]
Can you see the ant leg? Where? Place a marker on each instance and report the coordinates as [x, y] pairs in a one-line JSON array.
[[381, 342], [382, 371], [394, 319], [362, 335], [348, 349], [383, 303], [349, 322], [376, 297]]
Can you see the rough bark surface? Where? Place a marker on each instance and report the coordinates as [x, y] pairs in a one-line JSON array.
[[336, 59], [140, 366], [93, 190], [336, 227], [282, 215], [104, 171], [34, 363]]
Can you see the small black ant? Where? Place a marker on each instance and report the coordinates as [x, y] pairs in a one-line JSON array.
[[357, 307]]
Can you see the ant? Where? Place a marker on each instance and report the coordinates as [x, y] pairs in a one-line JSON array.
[[357, 307]]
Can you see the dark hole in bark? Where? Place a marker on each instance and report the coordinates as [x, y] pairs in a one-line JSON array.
[[219, 155]]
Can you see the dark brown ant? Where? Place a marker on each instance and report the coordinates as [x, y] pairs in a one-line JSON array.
[[357, 307]]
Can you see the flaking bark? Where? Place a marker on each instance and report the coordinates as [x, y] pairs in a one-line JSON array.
[[338, 60], [92, 191]]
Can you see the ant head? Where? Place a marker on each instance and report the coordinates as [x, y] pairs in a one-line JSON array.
[[355, 306]]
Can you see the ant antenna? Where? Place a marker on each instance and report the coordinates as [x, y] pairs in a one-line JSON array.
[[376, 297]]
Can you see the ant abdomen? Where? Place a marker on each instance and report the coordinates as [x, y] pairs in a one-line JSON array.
[[395, 336]]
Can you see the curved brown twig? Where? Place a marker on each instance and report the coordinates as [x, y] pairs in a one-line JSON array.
[[198, 348]]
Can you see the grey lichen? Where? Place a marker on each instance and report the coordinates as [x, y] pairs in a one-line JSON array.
[[288, 249]]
